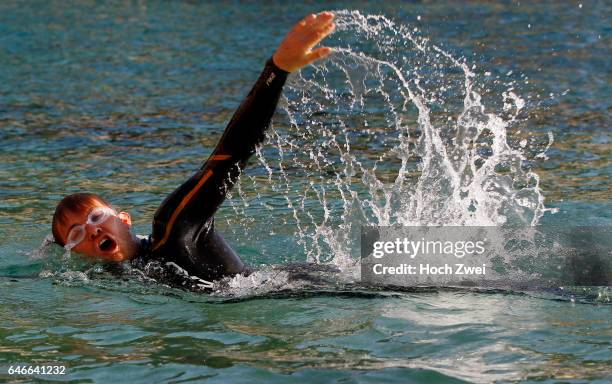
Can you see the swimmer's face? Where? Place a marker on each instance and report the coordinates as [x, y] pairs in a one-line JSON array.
[[110, 240]]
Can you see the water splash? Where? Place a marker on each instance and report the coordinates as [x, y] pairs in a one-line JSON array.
[[45, 250], [390, 130], [41, 252]]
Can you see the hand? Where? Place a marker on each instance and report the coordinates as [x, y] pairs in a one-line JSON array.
[[296, 51]]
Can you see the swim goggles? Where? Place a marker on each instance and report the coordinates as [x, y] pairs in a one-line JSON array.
[[97, 216]]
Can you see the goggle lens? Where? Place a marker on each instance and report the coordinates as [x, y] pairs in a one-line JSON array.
[[76, 235], [98, 216]]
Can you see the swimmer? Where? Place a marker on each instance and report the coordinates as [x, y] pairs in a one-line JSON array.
[[184, 245]]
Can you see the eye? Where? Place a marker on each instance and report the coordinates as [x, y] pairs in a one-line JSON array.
[[96, 216], [75, 235]]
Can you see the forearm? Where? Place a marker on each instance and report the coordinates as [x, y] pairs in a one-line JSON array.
[[246, 129], [244, 132]]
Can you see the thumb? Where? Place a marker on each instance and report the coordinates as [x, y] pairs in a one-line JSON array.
[[318, 53]]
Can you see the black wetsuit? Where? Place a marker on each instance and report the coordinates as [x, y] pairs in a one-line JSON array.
[[184, 243]]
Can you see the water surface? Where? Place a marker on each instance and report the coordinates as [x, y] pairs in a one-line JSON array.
[[127, 98]]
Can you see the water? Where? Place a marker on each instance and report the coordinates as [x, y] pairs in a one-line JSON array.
[[127, 99], [406, 138]]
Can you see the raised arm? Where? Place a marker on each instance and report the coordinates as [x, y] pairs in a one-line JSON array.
[[200, 196]]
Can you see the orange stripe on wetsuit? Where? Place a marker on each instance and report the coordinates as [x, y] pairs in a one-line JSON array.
[[187, 199]]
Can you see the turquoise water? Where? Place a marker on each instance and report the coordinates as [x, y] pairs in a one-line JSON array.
[[126, 99]]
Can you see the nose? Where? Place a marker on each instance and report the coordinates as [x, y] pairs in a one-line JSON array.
[[93, 231]]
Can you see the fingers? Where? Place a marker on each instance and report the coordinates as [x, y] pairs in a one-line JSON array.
[[322, 33], [318, 53], [322, 22], [316, 28], [296, 50], [322, 19], [314, 22]]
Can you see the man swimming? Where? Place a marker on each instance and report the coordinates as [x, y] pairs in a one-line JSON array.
[[184, 243]]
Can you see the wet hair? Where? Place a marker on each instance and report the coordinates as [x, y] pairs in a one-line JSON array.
[[75, 203]]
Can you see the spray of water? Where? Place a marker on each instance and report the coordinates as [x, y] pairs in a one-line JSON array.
[[389, 131]]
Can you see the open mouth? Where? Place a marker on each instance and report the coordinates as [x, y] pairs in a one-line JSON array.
[[107, 244]]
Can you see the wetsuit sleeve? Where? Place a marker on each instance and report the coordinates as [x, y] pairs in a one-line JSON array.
[[196, 200]]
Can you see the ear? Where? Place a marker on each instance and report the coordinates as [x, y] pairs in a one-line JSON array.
[[126, 218]]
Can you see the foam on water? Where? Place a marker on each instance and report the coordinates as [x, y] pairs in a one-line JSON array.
[[390, 130]]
